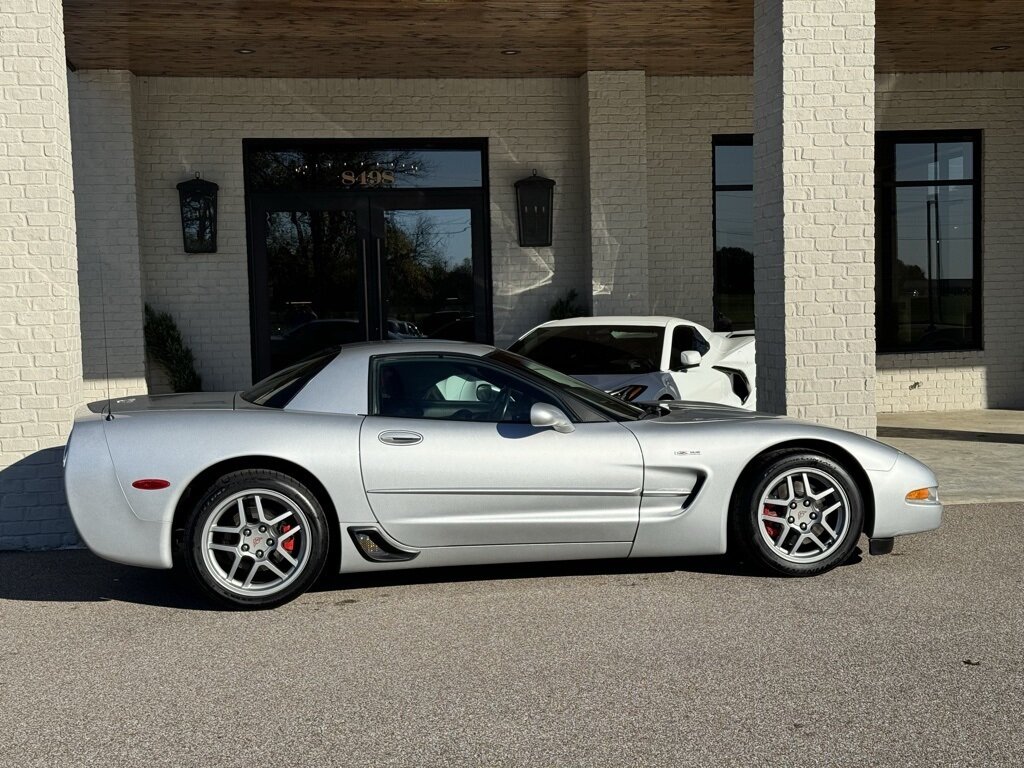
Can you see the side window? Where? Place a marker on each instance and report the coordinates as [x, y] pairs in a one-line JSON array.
[[452, 389], [686, 337]]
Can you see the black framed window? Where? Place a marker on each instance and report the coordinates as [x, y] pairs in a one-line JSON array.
[[928, 198], [733, 216]]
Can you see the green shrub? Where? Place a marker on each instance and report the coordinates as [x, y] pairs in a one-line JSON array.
[[165, 344]]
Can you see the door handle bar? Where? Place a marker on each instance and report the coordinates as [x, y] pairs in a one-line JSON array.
[[366, 290], [395, 437]]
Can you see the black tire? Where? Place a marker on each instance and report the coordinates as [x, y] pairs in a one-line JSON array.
[[216, 561], [769, 480]]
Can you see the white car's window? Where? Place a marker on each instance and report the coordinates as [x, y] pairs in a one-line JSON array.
[[595, 350], [452, 388], [686, 337]]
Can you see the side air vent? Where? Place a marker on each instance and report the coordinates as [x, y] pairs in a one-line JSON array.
[[740, 385], [375, 548]]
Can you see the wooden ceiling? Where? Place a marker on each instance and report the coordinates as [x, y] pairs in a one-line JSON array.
[[465, 38]]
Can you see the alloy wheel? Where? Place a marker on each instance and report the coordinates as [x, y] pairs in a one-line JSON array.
[[804, 515], [256, 542]]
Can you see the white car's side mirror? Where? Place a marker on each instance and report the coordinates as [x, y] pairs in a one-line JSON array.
[[544, 415], [689, 358]]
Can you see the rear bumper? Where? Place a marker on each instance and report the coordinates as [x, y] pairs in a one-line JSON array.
[[102, 514], [894, 515]]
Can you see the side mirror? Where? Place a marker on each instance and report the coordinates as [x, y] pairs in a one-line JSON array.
[[689, 358], [544, 415]]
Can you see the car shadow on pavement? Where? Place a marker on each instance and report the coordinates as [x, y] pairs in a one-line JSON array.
[[719, 565], [78, 576]]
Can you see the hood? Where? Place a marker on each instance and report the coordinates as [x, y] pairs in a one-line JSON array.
[[684, 412], [187, 401]]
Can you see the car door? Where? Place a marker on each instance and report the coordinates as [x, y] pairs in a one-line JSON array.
[[449, 458]]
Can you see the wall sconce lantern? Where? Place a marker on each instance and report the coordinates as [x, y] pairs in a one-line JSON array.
[[198, 199], [534, 197]]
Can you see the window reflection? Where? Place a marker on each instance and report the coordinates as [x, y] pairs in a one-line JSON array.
[[734, 233], [934, 161], [428, 274], [313, 283], [928, 291]]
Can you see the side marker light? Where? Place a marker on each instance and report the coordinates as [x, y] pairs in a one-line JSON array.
[[151, 484]]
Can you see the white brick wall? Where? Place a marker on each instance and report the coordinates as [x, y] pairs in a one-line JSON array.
[[615, 131], [994, 103], [40, 357], [683, 113], [814, 209], [109, 278], [185, 125]]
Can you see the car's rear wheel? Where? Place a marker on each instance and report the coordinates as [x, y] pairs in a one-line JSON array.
[[798, 513], [256, 539]]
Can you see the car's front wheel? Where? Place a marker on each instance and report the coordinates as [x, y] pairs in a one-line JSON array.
[[256, 539], [798, 513]]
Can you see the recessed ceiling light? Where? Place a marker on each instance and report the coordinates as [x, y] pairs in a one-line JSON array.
[[510, 52], [244, 51], [1000, 47]]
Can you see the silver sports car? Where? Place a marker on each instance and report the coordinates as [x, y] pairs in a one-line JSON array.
[[422, 453]]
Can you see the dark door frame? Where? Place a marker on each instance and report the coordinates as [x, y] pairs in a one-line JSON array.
[[369, 206]]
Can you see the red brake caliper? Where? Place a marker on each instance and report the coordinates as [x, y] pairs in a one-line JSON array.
[[289, 544], [774, 529]]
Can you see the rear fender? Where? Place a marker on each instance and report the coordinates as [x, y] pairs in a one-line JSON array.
[[179, 446]]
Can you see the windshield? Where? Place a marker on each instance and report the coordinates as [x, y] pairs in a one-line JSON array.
[[278, 389], [595, 398], [594, 350]]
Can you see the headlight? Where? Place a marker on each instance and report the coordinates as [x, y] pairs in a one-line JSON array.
[[629, 392]]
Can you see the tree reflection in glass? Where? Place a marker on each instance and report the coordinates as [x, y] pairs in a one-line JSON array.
[[313, 283], [428, 274]]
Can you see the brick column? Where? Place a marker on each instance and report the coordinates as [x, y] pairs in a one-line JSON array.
[[614, 113], [109, 276], [40, 358], [814, 209]]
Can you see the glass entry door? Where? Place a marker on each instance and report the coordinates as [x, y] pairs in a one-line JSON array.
[[326, 273], [364, 240], [311, 284], [429, 284]]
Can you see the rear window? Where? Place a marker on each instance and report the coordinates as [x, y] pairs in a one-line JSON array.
[[278, 389], [592, 350]]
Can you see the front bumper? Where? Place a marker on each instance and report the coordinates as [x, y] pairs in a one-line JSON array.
[[894, 515]]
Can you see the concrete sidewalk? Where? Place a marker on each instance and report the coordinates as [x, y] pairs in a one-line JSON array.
[[978, 455]]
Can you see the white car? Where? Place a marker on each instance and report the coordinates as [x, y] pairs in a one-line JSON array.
[[646, 359]]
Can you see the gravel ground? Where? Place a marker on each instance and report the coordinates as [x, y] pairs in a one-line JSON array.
[[914, 659]]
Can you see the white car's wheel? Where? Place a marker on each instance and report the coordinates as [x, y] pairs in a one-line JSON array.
[[256, 539], [798, 514]]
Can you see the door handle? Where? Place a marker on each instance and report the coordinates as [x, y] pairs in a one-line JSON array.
[[366, 289], [400, 437], [383, 310]]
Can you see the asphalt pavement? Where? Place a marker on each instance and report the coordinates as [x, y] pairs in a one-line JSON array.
[[913, 659]]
